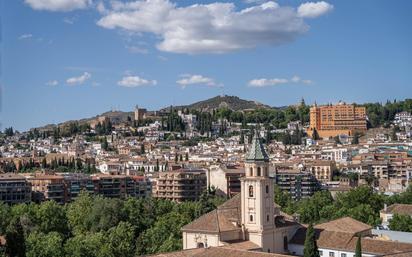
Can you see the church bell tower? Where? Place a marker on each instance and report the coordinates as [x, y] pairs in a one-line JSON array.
[[257, 201]]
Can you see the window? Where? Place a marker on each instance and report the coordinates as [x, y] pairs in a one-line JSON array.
[[258, 172], [268, 250], [251, 172], [285, 243], [267, 218], [331, 254], [250, 191], [200, 245], [251, 218], [320, 253], [267, 189], [343, 255]]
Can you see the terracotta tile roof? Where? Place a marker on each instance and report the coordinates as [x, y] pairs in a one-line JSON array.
[[405, 254], [207, 223], [380, 246], [11, 176], [404, 209], [233, 202], [242, 245], [346, 225], [341, 240], [218, 252], [218, 220]]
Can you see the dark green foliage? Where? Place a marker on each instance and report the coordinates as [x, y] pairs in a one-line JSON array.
[[360, 203], [44, 245], [358, 250], [401, 223], [94, 226], [174, 123], [9, 131], [310, 248], [355, 139], [315, 135], [379, 114], [15, 242]]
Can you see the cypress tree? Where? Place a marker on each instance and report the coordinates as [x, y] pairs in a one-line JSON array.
[[315, 134], [310, 248], [44, 163], [358, 250]]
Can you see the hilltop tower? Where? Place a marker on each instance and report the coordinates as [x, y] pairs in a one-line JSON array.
[[257, 208], [139, 113]]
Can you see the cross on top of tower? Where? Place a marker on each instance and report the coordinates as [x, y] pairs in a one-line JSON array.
[[256, 151]]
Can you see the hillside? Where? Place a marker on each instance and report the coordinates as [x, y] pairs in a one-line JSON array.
[[231, 102]]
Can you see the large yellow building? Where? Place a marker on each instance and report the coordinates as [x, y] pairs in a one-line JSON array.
[[333, 120]]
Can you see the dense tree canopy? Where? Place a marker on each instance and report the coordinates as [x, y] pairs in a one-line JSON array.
[[361, 203], [401, 223], [98, 227]]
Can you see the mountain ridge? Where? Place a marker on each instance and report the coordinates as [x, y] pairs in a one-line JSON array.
[[234, 103]]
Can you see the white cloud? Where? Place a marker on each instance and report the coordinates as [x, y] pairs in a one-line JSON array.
[[264, 82], [188, 79], [101, 8], [313, 10], [25, 36], [254, 1], [135, 81], [297, 79], [79, 80], [52, 83], [267, 82], [58, 5], [137, 50], [69, 20], [206, 28]]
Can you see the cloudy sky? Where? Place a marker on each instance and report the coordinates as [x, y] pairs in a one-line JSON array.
[[70, 59]]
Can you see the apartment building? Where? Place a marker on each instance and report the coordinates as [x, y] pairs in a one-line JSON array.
[[143, 186], [180, 185], [226, 179], [47, 187], [74, 183], [334, 120], [299, 184], [322, 170], [115, 186], [14, 189]]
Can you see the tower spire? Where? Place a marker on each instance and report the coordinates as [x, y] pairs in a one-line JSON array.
[[257, 151]]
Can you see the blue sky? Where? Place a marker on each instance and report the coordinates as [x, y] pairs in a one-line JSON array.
[[78, 58]]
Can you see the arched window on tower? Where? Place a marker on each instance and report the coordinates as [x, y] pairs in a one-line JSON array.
[[267, 189], [251, 172], [258, 172], [251, 218], [250, 191]]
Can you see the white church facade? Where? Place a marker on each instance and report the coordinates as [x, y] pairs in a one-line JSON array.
[[248, 220]]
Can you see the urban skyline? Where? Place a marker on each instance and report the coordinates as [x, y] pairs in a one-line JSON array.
[[78, 59]]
